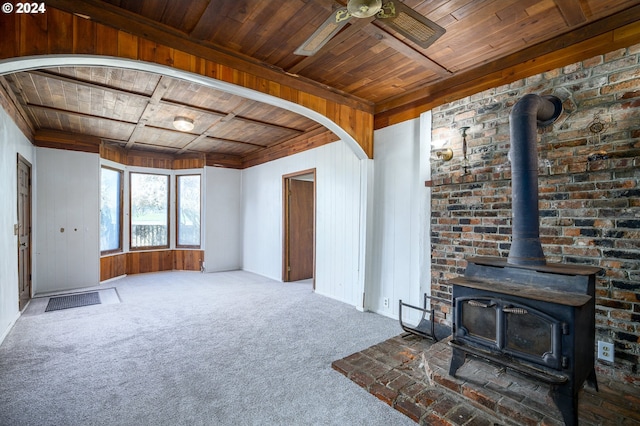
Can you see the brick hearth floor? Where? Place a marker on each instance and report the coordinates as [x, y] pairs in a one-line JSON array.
[[411, 375]]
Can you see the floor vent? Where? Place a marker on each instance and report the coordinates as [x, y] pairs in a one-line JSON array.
[[73, 301]]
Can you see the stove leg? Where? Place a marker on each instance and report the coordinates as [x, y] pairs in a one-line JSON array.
[[458, 358], [592, 380], [566, 400]]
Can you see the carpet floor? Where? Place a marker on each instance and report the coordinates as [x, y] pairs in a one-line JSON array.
[[185, 348]]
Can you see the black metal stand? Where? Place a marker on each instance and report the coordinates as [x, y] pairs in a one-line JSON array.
[[426, 328]]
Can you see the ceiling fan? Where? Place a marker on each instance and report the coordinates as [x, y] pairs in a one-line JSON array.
[[393, 13]]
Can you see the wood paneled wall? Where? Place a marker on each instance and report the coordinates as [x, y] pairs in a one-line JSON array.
[[113, 266], [59, 32], [149, 261], [150, 159]]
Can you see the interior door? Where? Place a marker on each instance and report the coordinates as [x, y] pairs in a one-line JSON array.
[[299, 228], [24, 232]]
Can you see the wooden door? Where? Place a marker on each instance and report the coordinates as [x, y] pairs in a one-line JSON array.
[[24, 232], [299, 229]]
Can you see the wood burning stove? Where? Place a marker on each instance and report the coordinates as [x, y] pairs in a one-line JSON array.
[[535, 320], [520, 312]]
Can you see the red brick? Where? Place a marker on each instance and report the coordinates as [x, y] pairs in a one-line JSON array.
[[353, 357], [428, 397], [342, 366], [486, 398], [461, 414], [362, 379], [519, 413], [409, 408], [432, 419], [448, 382], [388, 377], [413, 389], [383, 393], [443, 405], [401, 382]]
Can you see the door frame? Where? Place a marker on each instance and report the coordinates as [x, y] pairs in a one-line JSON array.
[[286, 222], [29, 216]]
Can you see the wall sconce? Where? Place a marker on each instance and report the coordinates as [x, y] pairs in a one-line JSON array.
[[444, 154], [184, 124], [465, 161]]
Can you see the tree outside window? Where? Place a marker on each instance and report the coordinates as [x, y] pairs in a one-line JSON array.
[[188, 211], [110, 210], [149, 210]]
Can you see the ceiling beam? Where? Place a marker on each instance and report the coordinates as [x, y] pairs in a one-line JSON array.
[[77, 114], [200, 137], [23, 119], [571, 11], [407, 50], [159, 91]]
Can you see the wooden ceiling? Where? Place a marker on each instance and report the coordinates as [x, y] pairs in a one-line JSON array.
[[135, 110], [366, 61]]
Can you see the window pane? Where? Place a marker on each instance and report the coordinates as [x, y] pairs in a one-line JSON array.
[[110, 210], [189, 210], [149, 210]]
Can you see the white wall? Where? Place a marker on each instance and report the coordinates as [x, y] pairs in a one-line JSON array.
[[339, 175], [397, 268], [12, 143], [66, 225], [223, 221]]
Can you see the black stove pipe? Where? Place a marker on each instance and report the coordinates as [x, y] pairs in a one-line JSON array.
[[528, 113]]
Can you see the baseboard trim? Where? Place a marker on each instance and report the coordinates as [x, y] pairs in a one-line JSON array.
[[6, 332]]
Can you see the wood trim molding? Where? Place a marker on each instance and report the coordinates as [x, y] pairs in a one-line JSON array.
[[69, 141], [12, 107]]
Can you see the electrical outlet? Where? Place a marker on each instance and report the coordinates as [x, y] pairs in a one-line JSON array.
[[386, 302], [605, 351]]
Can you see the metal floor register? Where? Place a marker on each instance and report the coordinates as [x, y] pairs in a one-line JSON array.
[[73, 301]]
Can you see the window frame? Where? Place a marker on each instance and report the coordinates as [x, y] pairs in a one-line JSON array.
[[121, 182], [177, 211], [168, 207]]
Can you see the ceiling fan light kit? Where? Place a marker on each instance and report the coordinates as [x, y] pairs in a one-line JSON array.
[[394, 14], [364, 8], [184, 124]]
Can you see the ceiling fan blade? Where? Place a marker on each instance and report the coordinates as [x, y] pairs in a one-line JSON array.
[[322, 35], [401, 18]]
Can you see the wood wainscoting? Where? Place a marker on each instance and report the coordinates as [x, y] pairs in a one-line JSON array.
[[139, 262]]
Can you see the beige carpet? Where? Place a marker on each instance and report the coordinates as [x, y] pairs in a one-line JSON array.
[[185, 348]]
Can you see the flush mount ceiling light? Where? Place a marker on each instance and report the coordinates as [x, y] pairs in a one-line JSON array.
[[184, 124]]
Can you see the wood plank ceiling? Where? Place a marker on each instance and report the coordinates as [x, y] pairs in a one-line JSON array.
[[367, 61]]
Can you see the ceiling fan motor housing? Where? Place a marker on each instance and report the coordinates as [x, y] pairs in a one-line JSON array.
[[364, 8]]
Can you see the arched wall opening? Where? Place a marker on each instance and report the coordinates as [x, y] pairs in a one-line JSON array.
[[26, 63]]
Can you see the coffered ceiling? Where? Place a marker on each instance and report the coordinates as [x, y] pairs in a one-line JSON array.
[[367, 62]]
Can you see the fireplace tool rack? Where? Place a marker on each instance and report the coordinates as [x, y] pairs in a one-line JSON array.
[[426, 327]]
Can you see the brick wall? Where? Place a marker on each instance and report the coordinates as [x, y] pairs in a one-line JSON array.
[[589, 188]]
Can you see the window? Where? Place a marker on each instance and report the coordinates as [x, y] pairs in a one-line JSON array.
[[110, 210], [188, 210], [149, 211]]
